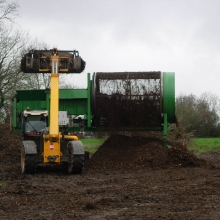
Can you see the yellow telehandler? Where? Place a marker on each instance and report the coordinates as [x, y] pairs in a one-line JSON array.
[[43, 142]]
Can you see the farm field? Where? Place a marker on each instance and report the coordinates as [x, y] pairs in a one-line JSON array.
[[127, 178], [202, 145]]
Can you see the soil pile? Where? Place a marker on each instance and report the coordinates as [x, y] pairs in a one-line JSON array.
[[10, 148], [119, 152], [124, 153]]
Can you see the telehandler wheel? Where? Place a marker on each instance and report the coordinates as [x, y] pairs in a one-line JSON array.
[[76, 157], [28, 162], [75, 164]]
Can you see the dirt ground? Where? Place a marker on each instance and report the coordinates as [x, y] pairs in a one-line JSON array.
[[127, 178]]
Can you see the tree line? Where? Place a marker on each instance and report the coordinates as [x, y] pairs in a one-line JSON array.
[[199, 115]]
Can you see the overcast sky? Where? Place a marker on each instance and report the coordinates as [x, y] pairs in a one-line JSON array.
[[181, 36]]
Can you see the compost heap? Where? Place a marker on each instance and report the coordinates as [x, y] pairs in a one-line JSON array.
[[118, 153], [10, 150], [124, 153]]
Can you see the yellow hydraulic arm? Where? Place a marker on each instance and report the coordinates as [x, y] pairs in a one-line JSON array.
[[52, 151]]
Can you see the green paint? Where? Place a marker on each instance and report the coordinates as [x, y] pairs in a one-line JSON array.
[[169, 96]]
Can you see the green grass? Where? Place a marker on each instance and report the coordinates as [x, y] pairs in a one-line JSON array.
[[202, 145], [92, 144], [3, 184], [199, 145]]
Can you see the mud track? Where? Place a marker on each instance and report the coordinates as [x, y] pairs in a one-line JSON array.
[[127, 178]]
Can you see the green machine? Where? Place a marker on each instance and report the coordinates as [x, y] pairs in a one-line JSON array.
[[124, 101]]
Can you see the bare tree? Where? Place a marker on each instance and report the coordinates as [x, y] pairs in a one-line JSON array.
[[65, 83], [12, 41], [13, 44], [200, 115], [212, 100], [209, 109], [8, 10]]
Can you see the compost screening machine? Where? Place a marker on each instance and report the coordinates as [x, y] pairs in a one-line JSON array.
[[122, 101]]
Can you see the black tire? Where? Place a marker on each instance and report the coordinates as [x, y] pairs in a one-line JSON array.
[[28, 162], [76, 166]]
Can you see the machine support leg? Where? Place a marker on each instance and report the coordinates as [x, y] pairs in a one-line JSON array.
[[89, 101], [165, 128]]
